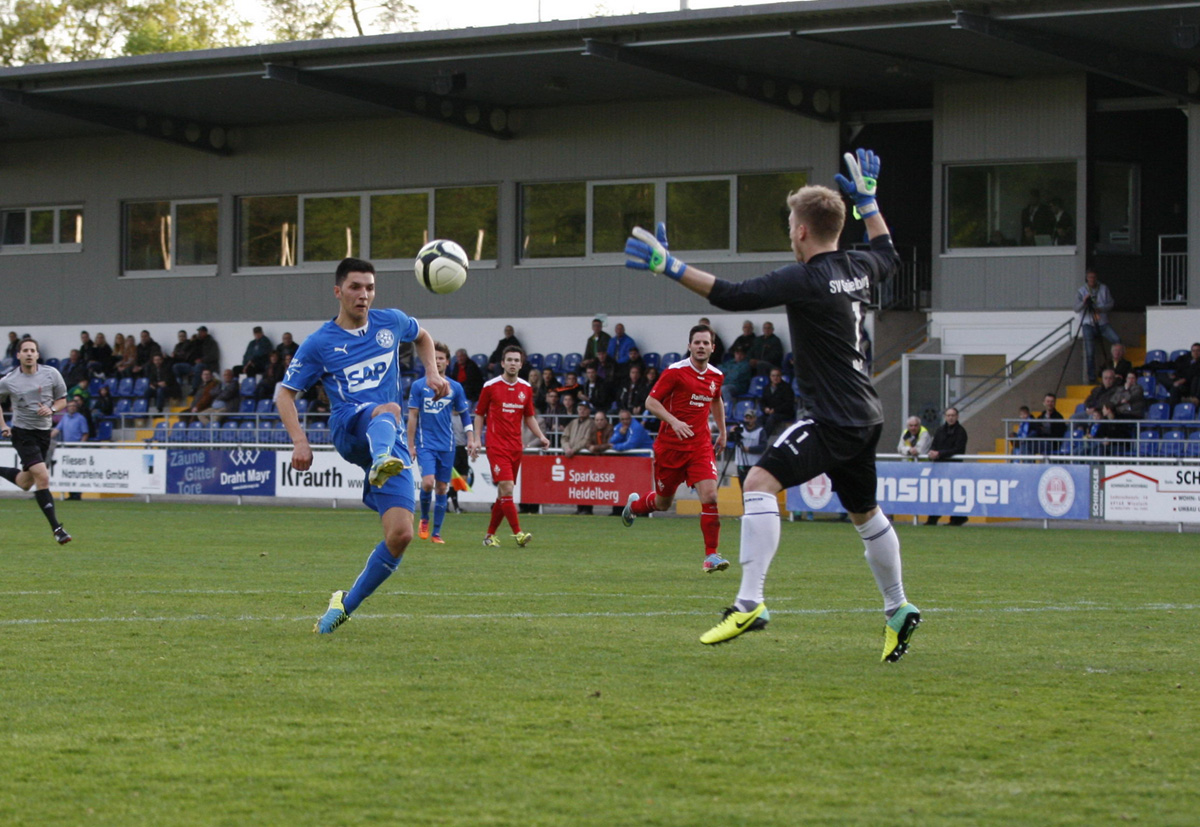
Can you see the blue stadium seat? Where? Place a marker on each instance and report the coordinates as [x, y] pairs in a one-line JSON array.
[[1149, 385], [248, 431], [266, 430], [125, 387], [740, 408], [1159, 412], [198, 432], [652, 359], [104, 430], [301, 406], [318, 432], [140, 407], [1175, 354], [418, 368], [122, 407], [246, 388], [534, 360], [1185, 411], [140, 386], [554, 361], [265, 406], [178, 432], [669, 358], [480, 359], [571, 362], [230, 432], [406, 383], [1172, 443], [1148, 444], [247, 405], [52, 363], [1080, 412], [1193, 444], [160, 433], [757, 385], [1153, 356]]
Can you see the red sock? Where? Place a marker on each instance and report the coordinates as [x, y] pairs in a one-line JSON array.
[[710, 527], [645, 505], [497, 516], [509, 509]]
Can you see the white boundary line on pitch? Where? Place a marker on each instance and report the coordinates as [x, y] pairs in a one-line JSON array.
[[1152, 607]]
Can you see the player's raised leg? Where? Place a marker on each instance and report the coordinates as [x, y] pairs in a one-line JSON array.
[[381, 436]]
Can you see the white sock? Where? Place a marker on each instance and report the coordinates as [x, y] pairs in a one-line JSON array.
[[883, 556], [760, 539]]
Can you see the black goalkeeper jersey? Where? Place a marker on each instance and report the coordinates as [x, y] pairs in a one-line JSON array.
[[826, 300]]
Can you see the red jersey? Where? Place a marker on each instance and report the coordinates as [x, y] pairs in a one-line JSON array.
[[687, 394], [504, 408]]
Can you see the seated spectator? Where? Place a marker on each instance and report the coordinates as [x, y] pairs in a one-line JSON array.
[[915, 440], [510, 339], [318, 402], [466, 373], [225, 401], [1050, 427], [206, 392], [254, 360], [1129, 401], [1020, 441], [128, 359], [539, 390], [204, 354], [635, 361], [629, 435], [595, 390], [766, 352], [633, 392], [549, 380], [73, 369], [287, 347], [737, 377], [101, 361], [555, 417], [184, 348], [570, 385], [778, 402], [1102, 392], [159, 383], [1119, 364], [118, 351], [746, 340], [596, 344], [271, 373], [146, 348], [579, 432], [606, 368], [601, 441], [81, 393], [103, 403], [1185, 384], [1107, 437]]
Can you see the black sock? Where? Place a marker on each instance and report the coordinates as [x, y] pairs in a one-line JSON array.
[[10, 474], [45, 501]]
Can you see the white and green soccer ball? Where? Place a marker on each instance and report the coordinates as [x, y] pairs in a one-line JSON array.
[[441, 266]]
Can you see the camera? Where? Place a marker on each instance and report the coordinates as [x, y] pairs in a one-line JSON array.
[[735, 435]]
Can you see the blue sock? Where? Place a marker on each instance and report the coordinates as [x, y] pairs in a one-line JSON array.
[[381, 434], [439, 514], [380, 566], [426, 498]]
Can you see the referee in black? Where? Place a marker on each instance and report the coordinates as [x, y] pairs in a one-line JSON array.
[[37, 392], [825, 294]]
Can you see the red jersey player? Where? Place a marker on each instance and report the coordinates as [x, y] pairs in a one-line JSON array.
[[683, 452], [504, 404]]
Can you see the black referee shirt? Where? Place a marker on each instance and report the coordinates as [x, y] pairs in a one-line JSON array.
[[826, 300]]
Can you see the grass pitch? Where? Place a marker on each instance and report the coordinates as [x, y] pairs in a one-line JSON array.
[[161, 670]]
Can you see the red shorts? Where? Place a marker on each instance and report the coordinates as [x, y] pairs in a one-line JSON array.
[[673, 467], [505, 467]]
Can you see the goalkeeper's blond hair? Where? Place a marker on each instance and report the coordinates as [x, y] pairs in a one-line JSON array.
[[820, 209]]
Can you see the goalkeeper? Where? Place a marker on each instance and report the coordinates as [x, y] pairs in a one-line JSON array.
[[825, 294]]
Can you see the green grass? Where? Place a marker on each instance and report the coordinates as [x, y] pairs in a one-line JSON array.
[[161, 670]]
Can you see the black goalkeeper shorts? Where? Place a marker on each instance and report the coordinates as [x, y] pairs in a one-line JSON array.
[[808, 449]]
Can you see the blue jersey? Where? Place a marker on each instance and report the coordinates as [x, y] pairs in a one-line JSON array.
[[435, 421], [357, 367]]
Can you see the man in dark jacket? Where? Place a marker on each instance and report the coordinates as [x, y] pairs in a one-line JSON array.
[[466, 373], [778, 403], [949, 441], [1050, 428]]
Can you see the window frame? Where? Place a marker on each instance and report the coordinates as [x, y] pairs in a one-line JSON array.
[[175, 271], [55, 246]]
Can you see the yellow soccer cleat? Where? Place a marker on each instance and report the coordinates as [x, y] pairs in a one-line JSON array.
[[734, 623], [334, 616], [384, 468], [490, 541], [899, 631], [522, 538]]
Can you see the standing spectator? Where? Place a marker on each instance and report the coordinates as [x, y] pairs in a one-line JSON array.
[[1037, 221], [619, 346], [595, 390], [746, 340], [597, 343], [254, 360], [101, 363], [146, 348], [629, 435], [949, 441], [510, 340], [158, 382], [1020, 437], [465, 372], [73, 426], [778, 402], [1063, 232], [206, 355], [766, 352], [287, 347], [737, 376], [749, 440], [718, 354], [915, 441], [14, 344], [86, 347], [579, 432], [633, 392], [1093, 301]]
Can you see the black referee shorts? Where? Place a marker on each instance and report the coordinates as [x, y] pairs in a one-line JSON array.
[[32, 444], [808, 449]]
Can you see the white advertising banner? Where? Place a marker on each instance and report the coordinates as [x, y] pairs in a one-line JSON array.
[[483, 489], [330, 477], [1152, 493], [109, 470]]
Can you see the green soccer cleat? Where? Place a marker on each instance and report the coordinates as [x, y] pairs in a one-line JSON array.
[[627, 515], [899, 631], [714, 562], [734, 623], [385, 467], [490, 541], [522, 538], [334, 616]]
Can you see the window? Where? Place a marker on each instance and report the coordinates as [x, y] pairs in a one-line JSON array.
[[763, 211], [1010, 205], [554, 220], [616, 210], [41, 230], [313, 231], [177, 237], [698, 214]]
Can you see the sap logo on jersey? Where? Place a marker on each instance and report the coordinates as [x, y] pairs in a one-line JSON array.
[[369, 373], [435, 406]]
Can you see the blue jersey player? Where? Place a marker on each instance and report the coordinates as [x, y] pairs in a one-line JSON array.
[[431, 440], [354, 356]]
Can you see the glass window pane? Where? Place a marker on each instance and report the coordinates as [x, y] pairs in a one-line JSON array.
[[399, 224], [147, 235], [267, 231], [616, 210], [467, 215], [70, 226], [41, 226], [554, 220], [330, 227], [763, 211], [196, 234], [698, 215], [14, 227], [1009, 205]]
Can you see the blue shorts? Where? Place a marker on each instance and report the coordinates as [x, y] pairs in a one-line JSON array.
[[437, 463], [350, 438]]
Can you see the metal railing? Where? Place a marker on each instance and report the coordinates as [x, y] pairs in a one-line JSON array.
[[1172, 269], [1141, 438], [910, 288], [1005, 375]]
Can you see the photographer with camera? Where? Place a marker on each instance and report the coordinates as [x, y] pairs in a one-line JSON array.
[[749, 440], [1092, 303]]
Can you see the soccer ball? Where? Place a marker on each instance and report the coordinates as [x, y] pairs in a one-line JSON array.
[[441, 266]]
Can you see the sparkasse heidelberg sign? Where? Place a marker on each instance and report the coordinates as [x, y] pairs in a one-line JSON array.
[[583, 479]]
